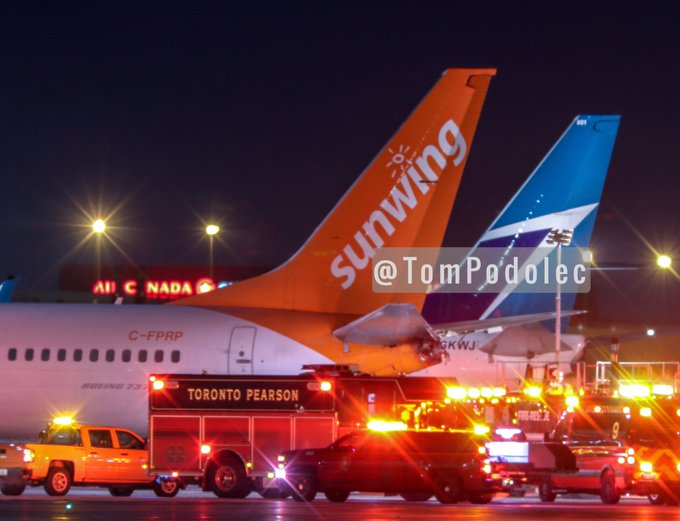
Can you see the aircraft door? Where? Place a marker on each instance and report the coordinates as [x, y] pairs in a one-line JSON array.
[[241, 350]]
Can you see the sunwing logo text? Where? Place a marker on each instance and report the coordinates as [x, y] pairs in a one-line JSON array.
[[402, 199]]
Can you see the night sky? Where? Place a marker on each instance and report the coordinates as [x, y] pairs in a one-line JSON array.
[[259, 115]]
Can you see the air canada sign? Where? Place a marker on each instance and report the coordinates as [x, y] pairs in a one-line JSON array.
[[154, 289]]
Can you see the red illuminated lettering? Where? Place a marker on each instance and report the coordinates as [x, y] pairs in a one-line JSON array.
[[104, 287], [156, 289]]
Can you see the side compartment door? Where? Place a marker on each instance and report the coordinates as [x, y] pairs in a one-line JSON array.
[[241, 350], [174, 443]]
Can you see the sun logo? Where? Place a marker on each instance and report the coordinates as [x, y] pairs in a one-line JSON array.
[[399, 160]]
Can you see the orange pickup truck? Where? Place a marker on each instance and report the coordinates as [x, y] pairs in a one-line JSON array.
[[70, 454]]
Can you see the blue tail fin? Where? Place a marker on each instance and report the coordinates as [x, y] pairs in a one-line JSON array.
[[7, 290], [563, 192]]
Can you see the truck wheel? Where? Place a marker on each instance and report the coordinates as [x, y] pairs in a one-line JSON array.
[[545, 492], [608, 493], [58, 481], [337, 496], [480, 498], [121, 491], [13, 490], [450, 491], [166, 488], [304, 488], [228, 479], [416, 496]]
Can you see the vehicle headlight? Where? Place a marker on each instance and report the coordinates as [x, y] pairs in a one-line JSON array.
[[29, 455], [646, 466]]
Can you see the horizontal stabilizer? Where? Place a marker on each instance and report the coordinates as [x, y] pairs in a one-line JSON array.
[[524, 341], [390, 325], [470, 326]]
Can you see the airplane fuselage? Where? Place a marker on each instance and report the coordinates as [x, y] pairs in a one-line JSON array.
[[95, 360]]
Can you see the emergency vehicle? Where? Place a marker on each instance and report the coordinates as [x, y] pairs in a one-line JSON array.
[[84, 455], [226, 432], [623, 441]]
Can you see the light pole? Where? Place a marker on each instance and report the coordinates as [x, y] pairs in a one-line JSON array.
[[211, 230], [98, 227], [561, 238], [664, 261]]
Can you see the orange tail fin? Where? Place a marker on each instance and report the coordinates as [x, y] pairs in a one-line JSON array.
[[404, 198]]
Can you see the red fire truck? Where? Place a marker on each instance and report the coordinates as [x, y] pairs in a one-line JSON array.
[[226, 432]]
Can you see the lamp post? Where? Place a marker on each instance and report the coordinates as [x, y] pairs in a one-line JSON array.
[[98, 227], [664, 261], [211, 230], [561, 238]]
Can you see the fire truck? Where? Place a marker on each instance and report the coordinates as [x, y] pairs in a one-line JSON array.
[[225, 433]]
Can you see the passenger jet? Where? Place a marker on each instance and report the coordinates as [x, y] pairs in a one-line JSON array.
[[94, 360]]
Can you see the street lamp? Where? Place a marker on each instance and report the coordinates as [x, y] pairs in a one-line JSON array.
[[664, 261], [561, 238], [98, 227], [211, 230]]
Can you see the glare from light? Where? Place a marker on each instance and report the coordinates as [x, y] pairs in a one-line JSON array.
[[651, 332], [456, 393], [572, 401], [212, 229], [587, 256], [481, 429], [664, 261], [386, 426], [663, 390], [99, 226]]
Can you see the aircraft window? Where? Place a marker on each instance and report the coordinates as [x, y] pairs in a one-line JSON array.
[[101, 438], [174, 357], [127, 355], [12, 354], [158, 356], [94, 355], [110, 355], [77, 355], [28, 355], [141, 356], [61, 355], [45, 355]]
